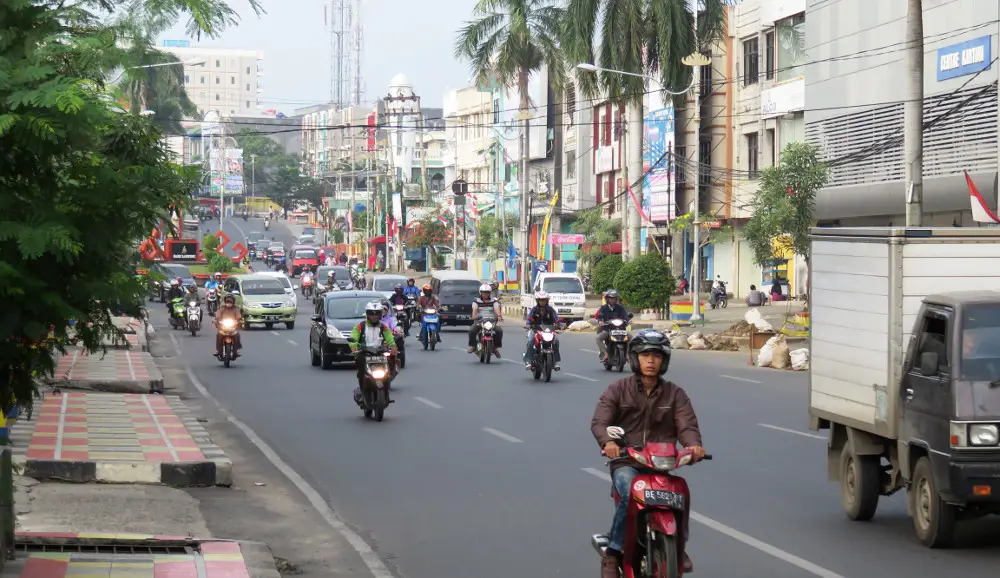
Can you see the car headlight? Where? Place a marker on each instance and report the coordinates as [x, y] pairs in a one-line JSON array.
[[290, 303], [332, 332], [983, 435], [663, 462], [444, 308]]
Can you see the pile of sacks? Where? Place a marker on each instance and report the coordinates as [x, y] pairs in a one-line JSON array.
[[700, 341], [775, 354]]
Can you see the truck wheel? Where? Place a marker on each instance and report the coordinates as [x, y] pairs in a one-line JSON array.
[[860, 484], [933, 519]]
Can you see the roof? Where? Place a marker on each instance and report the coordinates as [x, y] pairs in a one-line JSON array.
[[375, 295], [256, 275], [390, 276], [957, 298]]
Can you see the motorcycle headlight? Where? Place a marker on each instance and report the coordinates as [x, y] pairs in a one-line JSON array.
[[228, 323], [378, 373], [488, 326], [192, 303], [430, 311], [664, 463], [983, 435], [547, 337]]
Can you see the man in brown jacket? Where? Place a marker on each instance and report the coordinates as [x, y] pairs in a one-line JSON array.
[[649, 409]]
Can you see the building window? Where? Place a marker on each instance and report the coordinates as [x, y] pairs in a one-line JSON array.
[[706, 79], [769, 55], [705, 162], [232, 80], [772, 144], [750, 62], [496, 111], [570, 164], [571, 101], [752, 152], [216, 96], [218, 80], [203, 79], [791, 46], [248, 70], [248, 104], [218, 64], [187, 79], [791, 128], [231, 112], [248, 87]]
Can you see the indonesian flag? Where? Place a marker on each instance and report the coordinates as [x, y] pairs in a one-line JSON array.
[[981, 212], [350, 223], [442, 220], [392, 227]]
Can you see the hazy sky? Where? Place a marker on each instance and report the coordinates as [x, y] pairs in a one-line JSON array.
[[415, 38]]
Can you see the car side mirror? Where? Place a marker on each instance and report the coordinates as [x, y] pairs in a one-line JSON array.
[[630, 316], [316, 317], [929, 363], [234, 292], [615, 432]]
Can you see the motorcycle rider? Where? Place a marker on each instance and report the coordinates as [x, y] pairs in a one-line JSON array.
[[541, 314], [267, 223], [306, 274], [331, 281], [397, 297], [229, 310], [411, 289], [486, 302], [427, 300], [369, 333], [192, 295], [174, 292], [389, 319], [650, 408], [214, 282], [611, 309]]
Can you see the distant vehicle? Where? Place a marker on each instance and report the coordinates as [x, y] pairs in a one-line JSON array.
[[262, 299], [283, 279], [336, 316], [456, 290], [164, 273], [306, 239], [385, 284]]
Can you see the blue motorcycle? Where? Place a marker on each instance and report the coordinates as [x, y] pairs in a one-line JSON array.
[[430, 329]]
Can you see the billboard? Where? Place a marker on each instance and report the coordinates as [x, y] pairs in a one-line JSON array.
[[226, 166], [659, 186], [538, 94]]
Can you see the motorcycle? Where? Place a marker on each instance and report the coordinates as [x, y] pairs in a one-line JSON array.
[[543, 358], [617, 344], [373, 397], [212, 299], [719, 298], [177, 312], [228, 327], [245, 216], [252, 254], [402, 318], [430, 328], [412, 311], [484, 342], [193, 316], [400, 339], [307, 285], [658, 509], [267, 225]]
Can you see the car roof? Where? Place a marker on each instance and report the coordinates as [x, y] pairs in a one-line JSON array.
[[268, 274], [389, 276], [455, 276], [255, 276], [373, 295]]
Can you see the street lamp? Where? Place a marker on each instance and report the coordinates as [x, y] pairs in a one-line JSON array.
[[695, 60]]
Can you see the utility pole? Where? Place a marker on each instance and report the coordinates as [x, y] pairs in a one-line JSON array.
[[253, 179], [913, 114], [525, 218], [423, 150], [353, 150], [454, 221], [695, 112]]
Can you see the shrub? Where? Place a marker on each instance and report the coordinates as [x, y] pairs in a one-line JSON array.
[[219, 262], [645, 282], [209, 243], [605, 272]]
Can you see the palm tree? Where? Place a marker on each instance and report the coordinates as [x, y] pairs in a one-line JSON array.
[[507, 43], [640, 37]]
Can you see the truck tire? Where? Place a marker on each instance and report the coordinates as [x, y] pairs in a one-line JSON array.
[[933, 519], [860, 484]]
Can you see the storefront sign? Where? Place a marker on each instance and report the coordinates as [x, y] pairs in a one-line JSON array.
[[783, 99], [566, 239], [181, 250], [659, 186], [969, 57]]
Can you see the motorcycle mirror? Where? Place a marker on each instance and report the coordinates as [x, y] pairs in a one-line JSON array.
[[615, 432], [316, 317], [296, 287], [631, 315]]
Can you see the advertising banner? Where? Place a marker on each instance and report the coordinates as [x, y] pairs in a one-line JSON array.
[[659, 186]]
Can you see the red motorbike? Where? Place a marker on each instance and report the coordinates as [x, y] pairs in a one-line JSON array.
[[658, 508]]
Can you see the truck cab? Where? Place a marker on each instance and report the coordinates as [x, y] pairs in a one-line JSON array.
[[949, 442]]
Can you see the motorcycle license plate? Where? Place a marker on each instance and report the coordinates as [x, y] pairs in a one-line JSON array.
[[619, 333], [671, 500], [376, 359]]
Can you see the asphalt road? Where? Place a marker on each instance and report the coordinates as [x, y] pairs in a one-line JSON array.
[[481, 471]]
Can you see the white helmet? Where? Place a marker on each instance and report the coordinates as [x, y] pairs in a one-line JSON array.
[[174, 283], [373, 307], [217, 274], [541, 295], [485, 288]]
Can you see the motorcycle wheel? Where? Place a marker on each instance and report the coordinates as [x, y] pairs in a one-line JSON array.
[[548, 369], [488, 351], [433, 341], [380, 403], [194, 329], [427, 341], [369, 403], [537, 371], [663, 557], [402, 360], [725, 303]]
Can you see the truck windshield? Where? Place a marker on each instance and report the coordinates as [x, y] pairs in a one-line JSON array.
[[981, 343], [562, 285]]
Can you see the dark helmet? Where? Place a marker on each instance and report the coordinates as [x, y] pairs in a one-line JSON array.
[[648, 340], [229, 298], [411, 281], [398, 288], [611, 294]]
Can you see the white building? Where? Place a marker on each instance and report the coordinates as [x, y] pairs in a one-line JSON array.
[[228, 82], [402, 116]]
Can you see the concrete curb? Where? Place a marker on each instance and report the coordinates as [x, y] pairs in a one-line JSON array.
[[222, 466], [259, 560], [104, 386]]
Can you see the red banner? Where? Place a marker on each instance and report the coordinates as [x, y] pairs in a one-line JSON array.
[[372, 118]]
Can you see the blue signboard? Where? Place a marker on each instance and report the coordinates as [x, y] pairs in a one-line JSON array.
[[969, 57], [177, 44]]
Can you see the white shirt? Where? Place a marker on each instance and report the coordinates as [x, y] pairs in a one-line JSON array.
[[373, 335]]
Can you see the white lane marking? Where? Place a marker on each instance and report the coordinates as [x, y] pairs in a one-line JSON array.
[[740, 378], [590, 351], [792, 431], [580, 376], [377, 568], [275, 333], [735, 534], [503, 436], [293, 342], [428, 403]]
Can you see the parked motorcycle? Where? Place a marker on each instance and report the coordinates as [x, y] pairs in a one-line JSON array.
[[373, 397], [228, 328], [177, 313], [431, 326], [543, 358], [212, 300], [617, 344], [402, 318], [484, 342], [193, 317], [719, 299], [656, 522]]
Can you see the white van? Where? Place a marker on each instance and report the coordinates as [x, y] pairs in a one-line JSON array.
[[566, 295]]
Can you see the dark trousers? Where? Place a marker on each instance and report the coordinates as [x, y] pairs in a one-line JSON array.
[[530, 348], [497, 335]]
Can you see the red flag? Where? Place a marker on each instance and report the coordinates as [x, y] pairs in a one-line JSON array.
[[981, 212]]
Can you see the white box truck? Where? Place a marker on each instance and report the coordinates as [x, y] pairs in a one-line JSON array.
[[905, 369]]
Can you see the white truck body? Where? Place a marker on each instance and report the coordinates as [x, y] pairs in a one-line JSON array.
[[866, 286], [566, 295]]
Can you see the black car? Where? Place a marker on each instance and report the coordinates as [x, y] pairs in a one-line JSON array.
[[335, 317], [456, 297]]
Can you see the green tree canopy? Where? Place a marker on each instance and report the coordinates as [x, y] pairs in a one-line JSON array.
[[491, 238], [598, 231]]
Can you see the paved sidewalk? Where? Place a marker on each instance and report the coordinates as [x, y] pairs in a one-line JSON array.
[[65, 555], [118, 438], [118, 370]]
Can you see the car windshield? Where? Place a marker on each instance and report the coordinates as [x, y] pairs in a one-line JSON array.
[[284, 282], [262, 287], [308, 231], [278, 250], [346, 308], [324, 271], [461, 291], [177, 271], [386, 284], [254, 236], [305, 254], [562, 285]]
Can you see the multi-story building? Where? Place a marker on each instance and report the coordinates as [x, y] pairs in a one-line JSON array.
[[573, 129], [221, 79], [855, 88], [469, 113], [768, 105], [341, 146]]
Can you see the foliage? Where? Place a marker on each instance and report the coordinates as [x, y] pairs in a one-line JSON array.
[[605, 272], [598, 231], [491, 238], [338, 236], [209, 244], [645, 282], [219, 262], [511, 40], [781, 209], [708, 236], [273, 172], [640, 37], [430, 231], [81, 180]]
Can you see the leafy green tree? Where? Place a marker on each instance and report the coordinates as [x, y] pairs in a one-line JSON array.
[[605, 272], [598, 231], [645, 282], [781, 210], [491, 238], [81, 181]]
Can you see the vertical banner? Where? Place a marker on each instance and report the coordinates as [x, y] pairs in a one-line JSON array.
[[372, 121], [659, 185], [542, 239], [397, 214]]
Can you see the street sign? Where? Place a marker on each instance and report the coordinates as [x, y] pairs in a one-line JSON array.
[[460, 187]]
